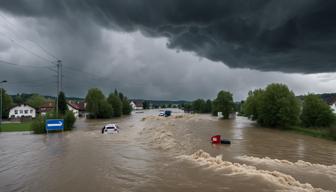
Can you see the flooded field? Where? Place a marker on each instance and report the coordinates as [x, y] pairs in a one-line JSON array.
[[153, 153]]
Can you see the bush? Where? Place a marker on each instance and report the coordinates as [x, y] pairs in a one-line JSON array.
[[315, 112], [38, 125], [69, 120]]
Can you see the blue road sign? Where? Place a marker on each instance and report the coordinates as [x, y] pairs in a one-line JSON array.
[[55, 125]]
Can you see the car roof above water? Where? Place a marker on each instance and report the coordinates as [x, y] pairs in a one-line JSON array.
[[110, 125]]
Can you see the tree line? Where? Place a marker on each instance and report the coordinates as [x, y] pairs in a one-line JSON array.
[[98, 106], [35, 100], [276, 106], [222, 103]]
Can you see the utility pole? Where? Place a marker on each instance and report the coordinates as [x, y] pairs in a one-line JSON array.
[[4, 81], [61, 74], [59, 82], [58, 85]]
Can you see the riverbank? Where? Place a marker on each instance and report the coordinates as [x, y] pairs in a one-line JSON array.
[[328, 133], [320, 133], [16, 127]]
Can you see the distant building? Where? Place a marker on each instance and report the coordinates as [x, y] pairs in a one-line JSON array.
[[333, 106], [137, 104], [78, 108], [46, 107], [73, 107], [22, 110]]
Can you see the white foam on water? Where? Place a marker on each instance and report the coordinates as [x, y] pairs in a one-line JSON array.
[[283, 181], [159, 137], [327, 170]]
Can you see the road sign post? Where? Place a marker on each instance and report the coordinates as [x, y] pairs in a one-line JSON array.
[[54, 125]]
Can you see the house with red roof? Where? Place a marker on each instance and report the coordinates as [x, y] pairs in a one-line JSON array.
[[78, 108], [46, 107]]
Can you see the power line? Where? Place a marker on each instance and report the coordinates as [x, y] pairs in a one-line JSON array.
[[18, 65], [9, 24], [27, 50], [29, 82]]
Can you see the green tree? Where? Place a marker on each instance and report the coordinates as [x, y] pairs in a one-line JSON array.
[[94, 99], [121, 96], [198, 106], [223, 103], [208, 106], [187, 107], [62, 105], [17, 99], [105, 110], [278, 107], [315, 112], [126, 107], [252, 103], [6, 104], [36, 101], [115, 102], [145, 104]]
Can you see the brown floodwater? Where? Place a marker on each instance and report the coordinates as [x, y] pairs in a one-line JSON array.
[[153, 153]]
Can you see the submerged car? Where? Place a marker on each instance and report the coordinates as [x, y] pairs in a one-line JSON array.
[[162, 113], [167, 113], [110, 129]]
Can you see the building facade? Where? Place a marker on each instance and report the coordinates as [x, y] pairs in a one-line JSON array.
[[22, 110]]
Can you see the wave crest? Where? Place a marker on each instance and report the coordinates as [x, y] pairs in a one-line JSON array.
[[281, 180]]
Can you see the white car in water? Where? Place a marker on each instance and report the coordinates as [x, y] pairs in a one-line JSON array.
[[162, 113], [110, 129]]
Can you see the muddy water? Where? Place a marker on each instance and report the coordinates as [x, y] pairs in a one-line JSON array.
[[154, 153]]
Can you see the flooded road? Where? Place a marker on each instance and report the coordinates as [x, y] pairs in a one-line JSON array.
[[154, 153]]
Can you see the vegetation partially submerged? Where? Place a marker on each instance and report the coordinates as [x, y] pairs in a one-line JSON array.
[[277, 107], [39, 123], [314, 132], [222, 103], [98, 106]]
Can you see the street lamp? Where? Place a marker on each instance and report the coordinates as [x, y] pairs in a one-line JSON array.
[[4, 81]]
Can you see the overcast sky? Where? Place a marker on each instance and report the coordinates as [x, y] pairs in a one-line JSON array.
[[169, 49]]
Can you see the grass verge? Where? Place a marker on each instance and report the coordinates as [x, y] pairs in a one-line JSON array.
[[15, 127], [320, 133]]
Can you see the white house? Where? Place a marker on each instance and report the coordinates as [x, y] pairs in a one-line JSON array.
[[136, 104], [22, 110], [333, 107], [74, 108], [133, 105]]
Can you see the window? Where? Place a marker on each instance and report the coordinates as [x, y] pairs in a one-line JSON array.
[[21, 111], [26, 111], [31, 111], [16, 112]]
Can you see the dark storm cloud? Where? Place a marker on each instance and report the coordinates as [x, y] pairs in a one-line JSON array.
[[288, 36]]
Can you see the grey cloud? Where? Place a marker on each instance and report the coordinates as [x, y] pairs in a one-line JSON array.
[[267, 35]]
